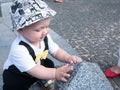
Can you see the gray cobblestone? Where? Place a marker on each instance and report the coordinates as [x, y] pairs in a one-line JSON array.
[[90, 27], [86, 76]]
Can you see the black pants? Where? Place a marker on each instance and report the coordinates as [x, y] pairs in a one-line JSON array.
[[17, 81]]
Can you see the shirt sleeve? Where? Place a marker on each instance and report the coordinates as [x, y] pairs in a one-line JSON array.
[[53, 47], [21, 58]]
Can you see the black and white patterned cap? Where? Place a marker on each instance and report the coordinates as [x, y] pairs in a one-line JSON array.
[[26, 12]]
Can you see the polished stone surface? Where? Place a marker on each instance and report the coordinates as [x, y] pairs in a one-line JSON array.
[[86, 76]]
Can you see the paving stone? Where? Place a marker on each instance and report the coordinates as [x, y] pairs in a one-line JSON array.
[[85, 76]]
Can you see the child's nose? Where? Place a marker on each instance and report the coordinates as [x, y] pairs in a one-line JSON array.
[[45, 32]]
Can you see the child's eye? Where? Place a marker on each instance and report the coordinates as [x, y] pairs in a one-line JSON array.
[[37, 30]]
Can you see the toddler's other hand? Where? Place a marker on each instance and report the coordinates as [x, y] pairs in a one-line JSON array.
[[74, 59], [62, 73]]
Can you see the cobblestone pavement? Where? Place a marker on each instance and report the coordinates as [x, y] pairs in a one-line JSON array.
[[91, 27]]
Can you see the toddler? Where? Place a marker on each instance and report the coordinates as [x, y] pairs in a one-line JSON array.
[[27, 61]]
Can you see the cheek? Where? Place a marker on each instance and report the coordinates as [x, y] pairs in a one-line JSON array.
[[32, 35], [37, 35]]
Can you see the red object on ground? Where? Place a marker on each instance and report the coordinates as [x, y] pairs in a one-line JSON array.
[[110, 74]]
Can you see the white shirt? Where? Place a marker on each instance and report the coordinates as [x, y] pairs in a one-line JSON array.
[[20, 57]]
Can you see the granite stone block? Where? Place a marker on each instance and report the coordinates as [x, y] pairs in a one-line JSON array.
[[85, 76]]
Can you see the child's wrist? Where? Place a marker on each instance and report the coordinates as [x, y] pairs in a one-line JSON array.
[[55, 73]]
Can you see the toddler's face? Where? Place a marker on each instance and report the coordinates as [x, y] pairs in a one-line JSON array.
[[37, 31]]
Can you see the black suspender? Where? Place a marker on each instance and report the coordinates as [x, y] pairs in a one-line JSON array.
[[15, 70], [46, 43], [31, 51]]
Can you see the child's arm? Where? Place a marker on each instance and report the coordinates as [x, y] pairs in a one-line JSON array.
[[63, 56], [42, 72], [60, 73]]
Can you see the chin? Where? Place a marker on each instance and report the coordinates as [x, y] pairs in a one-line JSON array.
[[41, 39]]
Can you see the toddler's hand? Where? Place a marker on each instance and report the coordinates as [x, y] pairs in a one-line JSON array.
[[74, 59], [62, 73]]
